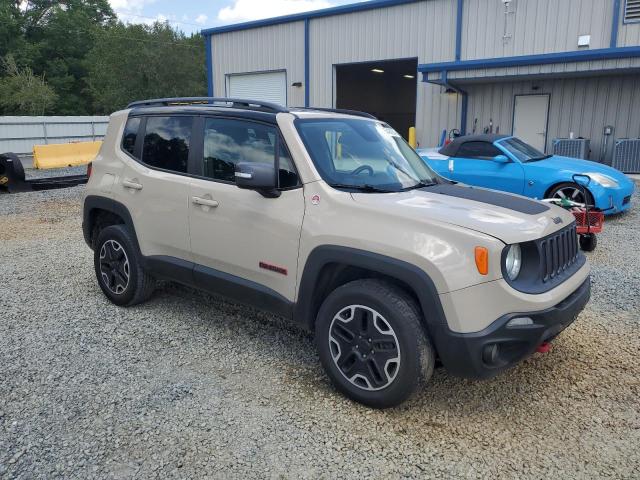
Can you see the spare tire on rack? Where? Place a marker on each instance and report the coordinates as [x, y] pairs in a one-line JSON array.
[[12, 179]]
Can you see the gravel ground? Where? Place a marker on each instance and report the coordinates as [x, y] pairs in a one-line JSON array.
[[188, 385]]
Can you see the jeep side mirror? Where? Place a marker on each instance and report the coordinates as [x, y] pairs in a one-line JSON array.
[[501, 159], [260, 177]]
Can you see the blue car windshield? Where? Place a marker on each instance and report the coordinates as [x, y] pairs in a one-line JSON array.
[[363, 155], [522, 151]]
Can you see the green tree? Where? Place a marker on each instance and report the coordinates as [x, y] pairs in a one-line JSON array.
[[62, 33], [132, 62], [22, 92]]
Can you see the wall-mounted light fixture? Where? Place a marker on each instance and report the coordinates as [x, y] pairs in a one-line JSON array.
[[410, 77], [450, 91], [296, 84], [377, 70], [584, 40]]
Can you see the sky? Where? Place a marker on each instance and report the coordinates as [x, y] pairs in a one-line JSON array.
[[194, 15]]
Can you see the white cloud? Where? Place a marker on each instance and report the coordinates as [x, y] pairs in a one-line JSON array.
[[243, 10], [201, 19], [130, 11]]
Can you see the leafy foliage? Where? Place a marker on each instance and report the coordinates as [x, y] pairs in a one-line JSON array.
[[92, 63], [130, 62], [22, 92]]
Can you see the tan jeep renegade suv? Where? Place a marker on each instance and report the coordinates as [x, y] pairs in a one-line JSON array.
[[329, 218]]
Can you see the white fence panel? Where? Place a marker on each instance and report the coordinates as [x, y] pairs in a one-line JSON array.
[[20, 134]]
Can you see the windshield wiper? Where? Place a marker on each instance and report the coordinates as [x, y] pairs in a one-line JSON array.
[[419, 185], [362, 188], [535, 159]]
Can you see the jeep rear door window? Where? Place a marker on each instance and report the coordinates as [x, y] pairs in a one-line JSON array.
[[363, 154], [228, 142], [130, 135], [166, 143], [478, 150]]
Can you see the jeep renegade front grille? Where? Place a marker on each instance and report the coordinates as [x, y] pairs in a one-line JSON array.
[[558, 252]]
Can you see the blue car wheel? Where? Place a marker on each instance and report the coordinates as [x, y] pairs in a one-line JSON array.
[[570, 191]]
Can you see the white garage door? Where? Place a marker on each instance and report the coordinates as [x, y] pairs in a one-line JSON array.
[[267, 87]]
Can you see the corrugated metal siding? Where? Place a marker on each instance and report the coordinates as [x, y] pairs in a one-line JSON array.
[[579, 105], [278, 47], [424, 30], [537, 26], [628, 34], [19, 134]]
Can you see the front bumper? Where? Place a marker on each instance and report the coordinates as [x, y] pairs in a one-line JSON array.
[[615, 200], [488, 352]]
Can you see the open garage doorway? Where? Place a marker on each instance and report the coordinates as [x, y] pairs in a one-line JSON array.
[[386, 89]]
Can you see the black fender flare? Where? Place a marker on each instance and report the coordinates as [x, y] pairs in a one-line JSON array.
[[94, 202], [411, 275]]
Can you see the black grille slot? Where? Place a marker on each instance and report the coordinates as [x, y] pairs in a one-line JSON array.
[[626, 199], [558, 252]]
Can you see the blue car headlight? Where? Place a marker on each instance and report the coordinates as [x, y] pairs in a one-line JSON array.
[[603, 180]]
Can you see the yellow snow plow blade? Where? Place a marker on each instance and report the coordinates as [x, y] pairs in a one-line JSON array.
[[64, 154]]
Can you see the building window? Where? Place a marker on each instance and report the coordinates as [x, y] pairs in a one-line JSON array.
[[632, 11]]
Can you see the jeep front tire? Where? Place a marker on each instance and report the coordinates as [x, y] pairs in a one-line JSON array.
[[372, 344]]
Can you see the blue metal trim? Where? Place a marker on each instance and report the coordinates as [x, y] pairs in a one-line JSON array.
[[306, 62], [459, 29], [326, 12], [615, 23], [209, 61], [542, 59]]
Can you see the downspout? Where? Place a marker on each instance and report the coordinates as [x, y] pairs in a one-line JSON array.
[[209, 63], [614, 25], [306, 62], [464, 107]]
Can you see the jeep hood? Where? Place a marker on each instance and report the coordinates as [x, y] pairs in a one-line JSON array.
[[507, 217]]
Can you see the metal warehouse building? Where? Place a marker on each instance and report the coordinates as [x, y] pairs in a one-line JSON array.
[[540, 69]]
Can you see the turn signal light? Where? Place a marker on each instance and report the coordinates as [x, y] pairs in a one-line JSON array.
[[482, 260]]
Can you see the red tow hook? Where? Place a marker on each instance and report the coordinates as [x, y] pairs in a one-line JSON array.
[[544, 347]]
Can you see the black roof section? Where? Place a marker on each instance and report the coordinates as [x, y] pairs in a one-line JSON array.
[[451, 149], [190, 104]]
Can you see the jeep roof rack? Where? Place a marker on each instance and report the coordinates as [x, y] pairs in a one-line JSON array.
[[210, 101], [355, 113]]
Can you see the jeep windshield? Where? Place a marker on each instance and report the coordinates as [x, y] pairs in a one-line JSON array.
[[363, 155], [522, 151]]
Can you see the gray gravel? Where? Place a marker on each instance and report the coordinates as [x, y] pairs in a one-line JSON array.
[[188, 386]]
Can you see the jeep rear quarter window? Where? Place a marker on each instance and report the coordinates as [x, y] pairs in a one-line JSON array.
[[166, 143], [227, 142], [130, 135]]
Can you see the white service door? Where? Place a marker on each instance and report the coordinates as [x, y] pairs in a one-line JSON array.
[[267, 87], [530, 119]]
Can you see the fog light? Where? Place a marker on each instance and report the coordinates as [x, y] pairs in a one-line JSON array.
[[490, 354], [519, 322]]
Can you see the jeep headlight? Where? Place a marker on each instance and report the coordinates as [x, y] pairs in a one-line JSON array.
[[513, 261], [603, 180]]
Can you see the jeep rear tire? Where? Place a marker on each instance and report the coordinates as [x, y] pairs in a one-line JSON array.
[[372, 344], [118, 268]]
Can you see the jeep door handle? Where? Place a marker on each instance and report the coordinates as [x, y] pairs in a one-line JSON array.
[[204, 202], [131, 184]]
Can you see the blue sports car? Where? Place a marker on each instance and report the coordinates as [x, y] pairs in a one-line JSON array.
[[506, 163]]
